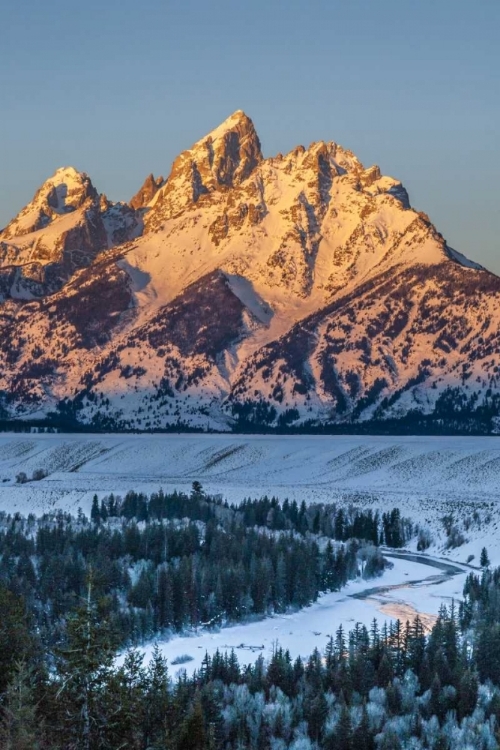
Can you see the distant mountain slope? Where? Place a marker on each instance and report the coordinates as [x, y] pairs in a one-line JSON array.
[[244, 292]]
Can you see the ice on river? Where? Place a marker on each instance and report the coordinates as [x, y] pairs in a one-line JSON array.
[[426, 477]]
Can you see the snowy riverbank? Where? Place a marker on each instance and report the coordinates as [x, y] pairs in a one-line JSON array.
[[400, 593]]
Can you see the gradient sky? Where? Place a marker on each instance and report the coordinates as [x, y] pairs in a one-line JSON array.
[[119, 88]]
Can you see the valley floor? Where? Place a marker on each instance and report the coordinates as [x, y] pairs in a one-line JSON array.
[[426, 477]]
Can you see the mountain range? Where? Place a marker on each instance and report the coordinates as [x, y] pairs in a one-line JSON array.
[[300, 291]]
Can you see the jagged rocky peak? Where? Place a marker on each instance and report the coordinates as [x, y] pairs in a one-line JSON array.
[[373, 181], [64, 192], [230, 153], [147, 192], [221, 160], [63, 229], [329, 160], [282, 290]]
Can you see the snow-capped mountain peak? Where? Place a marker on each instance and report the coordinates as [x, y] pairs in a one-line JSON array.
[[63, 228], [64, 192], [221, 160], [243, 290]]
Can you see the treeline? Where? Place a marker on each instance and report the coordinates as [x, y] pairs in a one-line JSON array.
[[389, 688], [338, 523], [156, 571], [455, 413]]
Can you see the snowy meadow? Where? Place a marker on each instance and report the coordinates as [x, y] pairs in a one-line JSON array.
[[428, 478]]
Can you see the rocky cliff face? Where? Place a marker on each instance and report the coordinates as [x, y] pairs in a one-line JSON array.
[[147, 192], [245, 291], [219, 162]]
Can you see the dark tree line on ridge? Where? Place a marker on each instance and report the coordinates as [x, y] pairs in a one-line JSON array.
[[337, 523]]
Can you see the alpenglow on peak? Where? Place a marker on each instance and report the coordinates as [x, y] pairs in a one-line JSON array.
[[222, 159]]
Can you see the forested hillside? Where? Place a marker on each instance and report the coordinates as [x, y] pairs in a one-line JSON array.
[[76, 591], [389, 688], [169, 562]]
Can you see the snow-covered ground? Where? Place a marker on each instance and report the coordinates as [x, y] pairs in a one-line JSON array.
[[426, 477]]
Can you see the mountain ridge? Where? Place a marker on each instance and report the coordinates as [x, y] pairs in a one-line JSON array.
[[300, 289]]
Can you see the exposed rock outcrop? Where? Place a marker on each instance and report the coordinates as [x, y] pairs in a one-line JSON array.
[[147, 192]]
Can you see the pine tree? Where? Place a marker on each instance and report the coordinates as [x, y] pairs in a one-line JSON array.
[[126, 704], [342, 737], [362, 738], [328, 578], [20, 727], [484, 560], [164, 593], [84, 670], [103, 511], [280, 584], [95, 513], [467, 694], [316, 712], [15, 639], [196, 490], [212, 714], [416, 645], [158, 704], [436, 703], [192, 735], [385, 672]]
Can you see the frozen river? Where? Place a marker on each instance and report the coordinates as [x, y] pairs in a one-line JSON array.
[[411, 587]]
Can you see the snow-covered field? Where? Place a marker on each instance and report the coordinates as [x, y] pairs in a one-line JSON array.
[[426, 477]]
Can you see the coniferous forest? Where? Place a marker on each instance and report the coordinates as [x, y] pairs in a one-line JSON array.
[[76, 591]]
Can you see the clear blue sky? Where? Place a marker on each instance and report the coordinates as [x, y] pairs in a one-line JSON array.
[[119, 88]]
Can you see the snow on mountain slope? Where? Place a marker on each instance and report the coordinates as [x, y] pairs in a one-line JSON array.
[[270, 291], [397, 342], [61, 194], [299, 227], [64, 228]]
